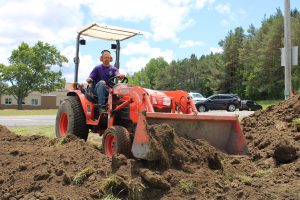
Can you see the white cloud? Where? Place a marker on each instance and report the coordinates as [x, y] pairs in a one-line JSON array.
[[191, 43], [216, 50], [136, 63], [202, 3], [54, 22], [166, 18], [57, 22], [86, 65], [223, 8], [230, 16], [144, 48], [132, 48], [179, 2]]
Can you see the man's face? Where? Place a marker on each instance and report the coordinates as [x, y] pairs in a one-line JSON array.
[[106, 58]]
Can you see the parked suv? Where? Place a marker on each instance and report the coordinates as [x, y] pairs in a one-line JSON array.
[[197, 97], [229, 102]]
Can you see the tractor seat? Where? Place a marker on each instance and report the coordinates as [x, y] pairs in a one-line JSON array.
[[90, 94]]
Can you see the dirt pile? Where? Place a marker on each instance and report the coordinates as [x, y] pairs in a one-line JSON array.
[[273, 135], [40, 168], [177, 152]]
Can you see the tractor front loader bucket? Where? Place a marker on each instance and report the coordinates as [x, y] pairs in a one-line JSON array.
[[222, 132]]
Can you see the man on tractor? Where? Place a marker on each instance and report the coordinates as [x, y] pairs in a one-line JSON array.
[[100, 77]]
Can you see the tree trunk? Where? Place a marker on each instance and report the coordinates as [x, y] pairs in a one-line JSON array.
[[20, 100]]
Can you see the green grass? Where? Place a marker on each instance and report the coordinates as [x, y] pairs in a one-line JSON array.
[[187, 186], [15, 112], [247, 180], [262, 172], [114, 185], [136, 191], [48, 131], [296, 121], [267, 103], [83, 175]]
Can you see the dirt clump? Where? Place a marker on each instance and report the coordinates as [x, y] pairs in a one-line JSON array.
[[37, 167]]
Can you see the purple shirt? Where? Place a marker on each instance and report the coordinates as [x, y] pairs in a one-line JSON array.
[[101, 72]]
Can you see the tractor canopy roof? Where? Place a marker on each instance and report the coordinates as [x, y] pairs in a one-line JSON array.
[[106, 32]]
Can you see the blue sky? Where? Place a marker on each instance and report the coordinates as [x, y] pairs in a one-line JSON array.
[[176, 28]]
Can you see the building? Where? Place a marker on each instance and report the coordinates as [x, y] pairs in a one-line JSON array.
[[35, 100]]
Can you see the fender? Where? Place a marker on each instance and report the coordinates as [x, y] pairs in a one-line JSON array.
[[87, 106]]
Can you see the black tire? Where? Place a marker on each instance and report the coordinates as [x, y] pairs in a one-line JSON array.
[[201, 108], [231, 108], [70, 119], [122, 141]]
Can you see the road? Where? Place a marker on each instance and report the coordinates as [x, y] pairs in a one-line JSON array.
[[29, 120], [44, 120]]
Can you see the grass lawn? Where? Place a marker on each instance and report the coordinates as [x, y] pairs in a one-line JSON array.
[[15, 112], [48, 131], [267, 103]]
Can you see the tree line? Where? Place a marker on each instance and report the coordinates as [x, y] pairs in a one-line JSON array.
[[250, 64]]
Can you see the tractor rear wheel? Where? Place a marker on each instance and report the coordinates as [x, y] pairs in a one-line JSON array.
[[116, 140], [70, 119]]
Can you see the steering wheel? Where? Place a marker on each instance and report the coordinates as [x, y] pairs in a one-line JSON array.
[[111, 81]]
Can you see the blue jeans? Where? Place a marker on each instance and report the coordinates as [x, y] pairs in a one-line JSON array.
[[102, 91]]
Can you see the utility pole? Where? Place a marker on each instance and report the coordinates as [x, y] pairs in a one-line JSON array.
[[287, 49]]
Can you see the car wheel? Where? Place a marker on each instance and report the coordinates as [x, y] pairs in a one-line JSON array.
[[231, 107], [201, 108]]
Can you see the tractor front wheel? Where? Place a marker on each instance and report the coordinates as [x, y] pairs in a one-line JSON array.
[[70, 119], [116, 140]]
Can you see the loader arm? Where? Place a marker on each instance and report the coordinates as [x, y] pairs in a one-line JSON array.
[[182, 101]]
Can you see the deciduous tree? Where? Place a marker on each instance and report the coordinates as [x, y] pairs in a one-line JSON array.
[[31, 69]]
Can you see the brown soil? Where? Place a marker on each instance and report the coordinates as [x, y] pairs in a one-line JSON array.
[[40, 168]]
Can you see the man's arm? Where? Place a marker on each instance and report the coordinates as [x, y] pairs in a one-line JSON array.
[[92, 76]]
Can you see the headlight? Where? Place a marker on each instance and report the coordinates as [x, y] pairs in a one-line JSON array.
[[166, 101], [154, 101]]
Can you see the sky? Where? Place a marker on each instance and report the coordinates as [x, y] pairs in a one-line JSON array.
[[174, 29]]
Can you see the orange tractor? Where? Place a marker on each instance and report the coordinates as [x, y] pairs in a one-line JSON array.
[[131, 108]]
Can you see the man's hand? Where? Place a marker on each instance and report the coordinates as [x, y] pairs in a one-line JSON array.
[[89, 80], [120, 76], [80, 86]]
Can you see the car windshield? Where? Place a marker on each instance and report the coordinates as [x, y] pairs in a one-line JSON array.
[[197, 95]]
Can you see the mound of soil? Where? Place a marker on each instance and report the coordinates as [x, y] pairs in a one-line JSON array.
[[40, 168]]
